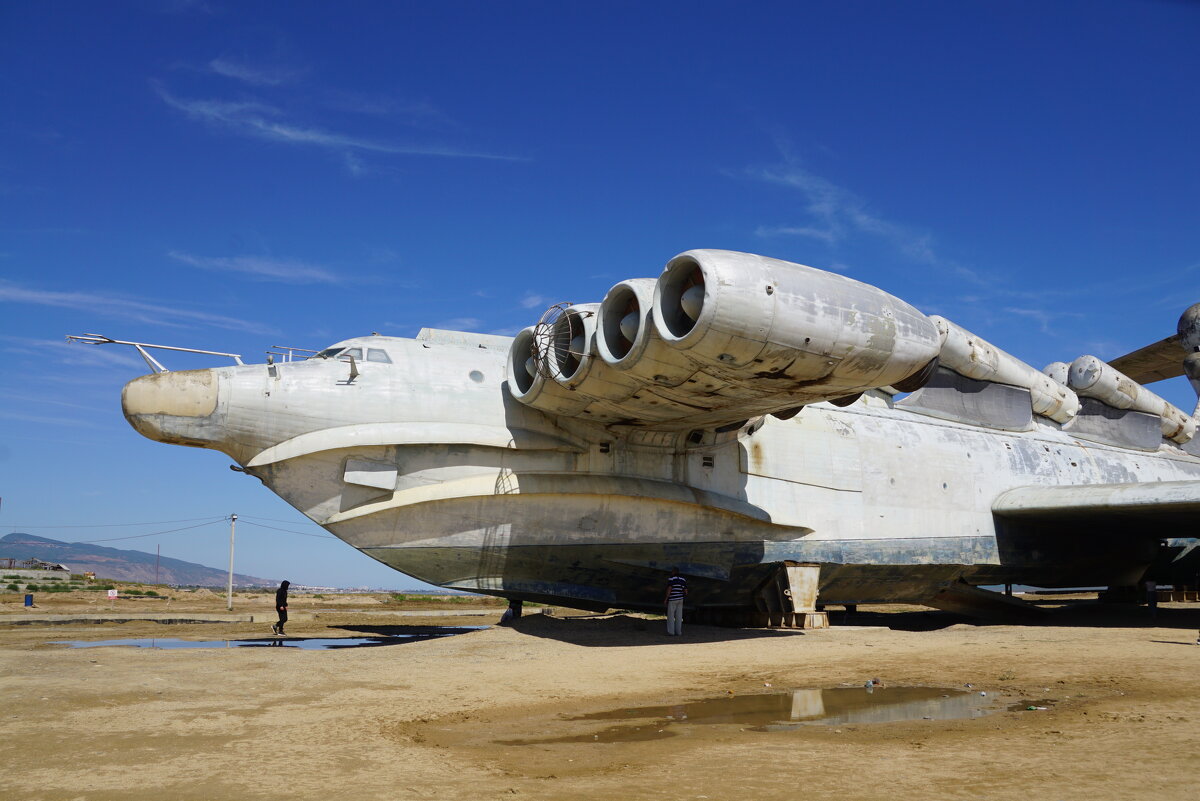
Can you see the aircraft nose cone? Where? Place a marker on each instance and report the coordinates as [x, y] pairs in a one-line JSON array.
[[171, 406]]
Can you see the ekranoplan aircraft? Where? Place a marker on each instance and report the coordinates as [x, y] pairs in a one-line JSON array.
[[734, 415]]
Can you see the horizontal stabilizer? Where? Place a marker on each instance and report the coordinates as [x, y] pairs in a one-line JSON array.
[[1154, 362], [1158, 504]]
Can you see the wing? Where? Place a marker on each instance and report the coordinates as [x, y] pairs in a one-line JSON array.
[[1154, 362], [1161, 508]]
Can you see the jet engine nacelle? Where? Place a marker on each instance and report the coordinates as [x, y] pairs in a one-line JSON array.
[[783, 326], [720, 336]]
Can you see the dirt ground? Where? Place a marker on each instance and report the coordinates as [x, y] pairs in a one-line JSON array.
[[431, 719]]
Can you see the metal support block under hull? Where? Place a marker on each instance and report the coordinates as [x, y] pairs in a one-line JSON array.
[[788, 597]]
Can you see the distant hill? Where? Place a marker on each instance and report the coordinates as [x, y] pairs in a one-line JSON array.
[[114, 563]]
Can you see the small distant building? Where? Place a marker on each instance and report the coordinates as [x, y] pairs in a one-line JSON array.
[[32, 570], [90, 575]]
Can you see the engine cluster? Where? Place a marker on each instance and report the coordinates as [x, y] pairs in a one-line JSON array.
[[717, 338]]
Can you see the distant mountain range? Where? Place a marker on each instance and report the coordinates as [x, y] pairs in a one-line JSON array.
[[114, 563]]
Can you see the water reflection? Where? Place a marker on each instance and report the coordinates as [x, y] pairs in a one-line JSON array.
[[782, 711]]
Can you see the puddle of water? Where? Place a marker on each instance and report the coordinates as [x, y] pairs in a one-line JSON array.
[[1039, 705], [305, 643], [782, 711]]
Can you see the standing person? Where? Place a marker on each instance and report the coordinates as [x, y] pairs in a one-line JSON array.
[[281, 608], [676, 590]]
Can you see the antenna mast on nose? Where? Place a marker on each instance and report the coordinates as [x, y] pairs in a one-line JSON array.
[[154, 364]]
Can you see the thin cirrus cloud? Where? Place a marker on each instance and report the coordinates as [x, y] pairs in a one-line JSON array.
[[836, 213], [126, 309], [460, 324], [1042, 317], [532, 301], [287, 271], [255, 76], [262, 121], [69, 353]]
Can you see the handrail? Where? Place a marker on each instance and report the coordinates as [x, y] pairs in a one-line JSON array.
[[290, 352]]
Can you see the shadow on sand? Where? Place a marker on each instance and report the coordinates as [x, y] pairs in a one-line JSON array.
[[624, 630], [1065, 613], [382, 630], [620, 630]]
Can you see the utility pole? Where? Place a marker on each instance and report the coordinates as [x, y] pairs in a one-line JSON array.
[[229, 594], [157, 557]]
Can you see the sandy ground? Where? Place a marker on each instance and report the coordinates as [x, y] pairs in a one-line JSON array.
[[426, 720]]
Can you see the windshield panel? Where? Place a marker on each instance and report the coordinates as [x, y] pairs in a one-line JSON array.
[[378, 355]]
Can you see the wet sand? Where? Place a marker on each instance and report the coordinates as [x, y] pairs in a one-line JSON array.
[[426, 719]]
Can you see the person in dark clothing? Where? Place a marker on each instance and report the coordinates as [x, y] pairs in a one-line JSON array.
[[676, 590], [281, 608]]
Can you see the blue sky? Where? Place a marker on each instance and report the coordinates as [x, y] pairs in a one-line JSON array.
[[230, 176]]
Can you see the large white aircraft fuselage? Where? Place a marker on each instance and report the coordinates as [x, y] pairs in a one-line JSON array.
[[427, 463]]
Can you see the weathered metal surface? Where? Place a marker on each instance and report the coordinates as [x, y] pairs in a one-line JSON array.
[[1125, 428], [952, 396], [1094, 379], [445, 463], [1170, 502], [975, 357], [192, 393], [722, 337]]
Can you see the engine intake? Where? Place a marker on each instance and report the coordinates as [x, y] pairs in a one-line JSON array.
[[787, 327], [721, 336]]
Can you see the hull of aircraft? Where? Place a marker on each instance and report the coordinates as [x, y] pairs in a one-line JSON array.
[[832, 487], [892, 504], [457, 459]]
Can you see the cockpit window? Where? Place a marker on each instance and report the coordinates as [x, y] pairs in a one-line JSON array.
[[377, 355], [328, 353], [355, 352]]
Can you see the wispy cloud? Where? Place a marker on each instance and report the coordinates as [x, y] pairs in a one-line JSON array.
[[417, 113], [255, 76], [71, 354], [823, 234], [259, 120], [836, 213], [532, 301], [126, 309], [42, 401], [1043, 317], [460, 324], [46, 420], [263, 268]]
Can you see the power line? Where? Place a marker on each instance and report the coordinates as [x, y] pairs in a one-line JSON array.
[[117, 525], [289, 531], [269, 519], [154, 533]]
